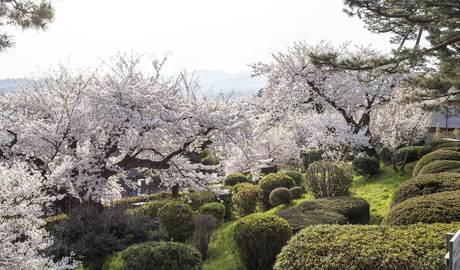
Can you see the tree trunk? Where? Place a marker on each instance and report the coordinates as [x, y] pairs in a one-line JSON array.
[[175, 191]]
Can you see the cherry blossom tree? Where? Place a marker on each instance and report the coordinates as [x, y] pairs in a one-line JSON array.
[[84, 131], [22, 235], [337, 104]]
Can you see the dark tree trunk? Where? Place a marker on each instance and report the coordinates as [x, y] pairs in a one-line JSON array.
[[175, 191]]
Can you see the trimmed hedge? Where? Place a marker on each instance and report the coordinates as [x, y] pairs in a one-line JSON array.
[[413, 153], [245, 198], [259, 238], [439, 166], [128, 201], [177, 219], [337, 210], [441, 154], [149, 209], [271, 181], [214, 209], [366, 165], [199, 198], [357, 247], [425, 185], [439, 207], [156, 255], [447, 144], [280, 196], [235, 178], [296, 192], [329, 179]]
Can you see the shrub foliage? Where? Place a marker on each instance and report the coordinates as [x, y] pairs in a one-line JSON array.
[[441, 154], [355, 247], [177, 219], [271, 181], [366, 165], [426, 184], [329, 179], [245, 198], [259, 238], [296, 192], [214, 209], [440, 166], [280, 196], [433, 208], [235, 178]]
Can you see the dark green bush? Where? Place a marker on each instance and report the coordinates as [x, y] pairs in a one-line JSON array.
[[214, 209], [280, 196], [259, 238], [204, 227], [366, 165], [159, 256], [226, 199], [445, 145], [413, 154], [128, 201], [245, 198], [235, 178], [441, 154], [438, 207], [177, 219], [296, 192], [329, 179], [426, 184], [357, 247], [91, 233], [53, 221], [385, 155], [150, 209], [197, 198], [271, 181], [340, 210], [298, 178], [439, 166]]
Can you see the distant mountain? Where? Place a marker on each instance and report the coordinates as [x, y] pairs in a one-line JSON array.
[[212, 82], [240, 84]]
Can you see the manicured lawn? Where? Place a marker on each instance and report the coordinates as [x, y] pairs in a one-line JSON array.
[[378, 190]]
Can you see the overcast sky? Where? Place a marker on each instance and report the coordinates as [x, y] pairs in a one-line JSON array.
[[224, 35]]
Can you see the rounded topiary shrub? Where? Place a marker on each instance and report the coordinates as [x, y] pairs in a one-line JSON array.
[[271, 181], [329, 179], [337, 210], [441, 154], [324, 247], [197, 198], [366, 165], [235, 178], [296, 192], [259, 238], [245, 198], [440, 166], [150, 208], [280, 196], [439, 207], [298, 178], [156, 255], [177, 219], [425, 185], [385, 155], [214, 209]]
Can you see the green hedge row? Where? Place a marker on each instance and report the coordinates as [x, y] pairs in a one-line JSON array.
[[425, 185], [439, 166], [441, 154], [437, 207], [352, 247]]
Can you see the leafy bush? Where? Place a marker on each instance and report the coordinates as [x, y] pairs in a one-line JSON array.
[[158, 256], [434, 156], [53, 221], [427, 184], [280, 196], [259, 238], [356, 247], [245, 198], [439, 166], [214, 209], [296, 192], [298, 178], [438, 207], [198, 198], [446, 144], [92, 232], [329, 179], [271, 181], [366, 165], [226, 199], [204, 227], [177, 219], [338, 210], [310, 156], [149, 209], [413, 154], [385, 155], [235, 178]]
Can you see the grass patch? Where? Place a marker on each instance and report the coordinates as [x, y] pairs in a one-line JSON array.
[[377, 190]]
